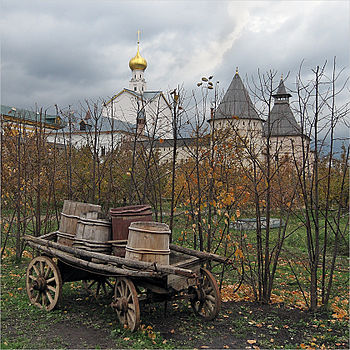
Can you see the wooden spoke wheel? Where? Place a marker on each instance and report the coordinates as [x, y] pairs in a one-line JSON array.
[[126, 303], [43, 283], [206, 301], [98, 286]]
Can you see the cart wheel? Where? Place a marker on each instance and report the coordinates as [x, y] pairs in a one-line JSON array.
[[99, 285], [126, 303], [207, 299], [43, 283]]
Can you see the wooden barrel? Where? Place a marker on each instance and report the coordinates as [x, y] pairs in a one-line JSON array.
[[118, 247], [70, 215], [122, 217], [148, 241], [95, 230], [92, 246], [93, 233]]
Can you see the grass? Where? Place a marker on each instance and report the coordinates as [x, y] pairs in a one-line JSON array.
[[82, 321], [25, 326]]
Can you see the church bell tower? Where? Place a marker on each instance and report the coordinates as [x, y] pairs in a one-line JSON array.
[[138, 65]]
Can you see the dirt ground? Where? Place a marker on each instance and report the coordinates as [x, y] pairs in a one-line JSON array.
[[239, 326]]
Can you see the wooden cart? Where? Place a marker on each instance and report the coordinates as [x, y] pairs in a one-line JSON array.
[[135, 281]]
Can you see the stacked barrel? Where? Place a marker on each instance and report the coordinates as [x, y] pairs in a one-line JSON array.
[[122, 217], [83, 226], [130, 231]]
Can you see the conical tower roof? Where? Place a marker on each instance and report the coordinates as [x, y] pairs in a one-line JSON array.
[[236, 102], [281, 90], [282, 120]]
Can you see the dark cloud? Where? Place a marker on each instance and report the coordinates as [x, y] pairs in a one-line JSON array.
[[65, 51]]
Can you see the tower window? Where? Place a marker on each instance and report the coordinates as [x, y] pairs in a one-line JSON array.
[[140, 75], [82, 125], [135, 88]]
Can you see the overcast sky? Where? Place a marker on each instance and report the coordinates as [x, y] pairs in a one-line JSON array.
[[61, 52]]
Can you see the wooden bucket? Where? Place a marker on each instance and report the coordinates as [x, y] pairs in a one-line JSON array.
[[148, 241], [122, 217], [71, 213]]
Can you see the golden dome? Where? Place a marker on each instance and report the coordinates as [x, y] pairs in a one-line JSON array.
[[138, 62]]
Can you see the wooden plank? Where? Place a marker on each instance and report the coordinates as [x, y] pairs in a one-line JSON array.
[[186, 262], [202, 255], [179, 282], [141, 265]]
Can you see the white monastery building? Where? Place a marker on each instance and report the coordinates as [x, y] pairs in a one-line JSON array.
[[138, 114]]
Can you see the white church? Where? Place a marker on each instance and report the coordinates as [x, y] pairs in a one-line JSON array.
[[151, 108], [133, 109]]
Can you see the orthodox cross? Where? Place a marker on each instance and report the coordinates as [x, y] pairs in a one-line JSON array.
[[138, 36]]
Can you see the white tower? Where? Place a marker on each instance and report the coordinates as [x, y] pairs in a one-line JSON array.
[[138, 65]]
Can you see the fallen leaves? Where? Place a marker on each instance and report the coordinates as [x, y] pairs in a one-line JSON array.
[[339, 313], [251, 341]]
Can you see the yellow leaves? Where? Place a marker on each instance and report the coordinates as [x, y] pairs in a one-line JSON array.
[[239, 253], [339, 313], [27, 254], [238, 213], [251, 341], [15, 275]]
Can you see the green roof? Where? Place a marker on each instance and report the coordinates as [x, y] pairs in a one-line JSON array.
[[28, 116]]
